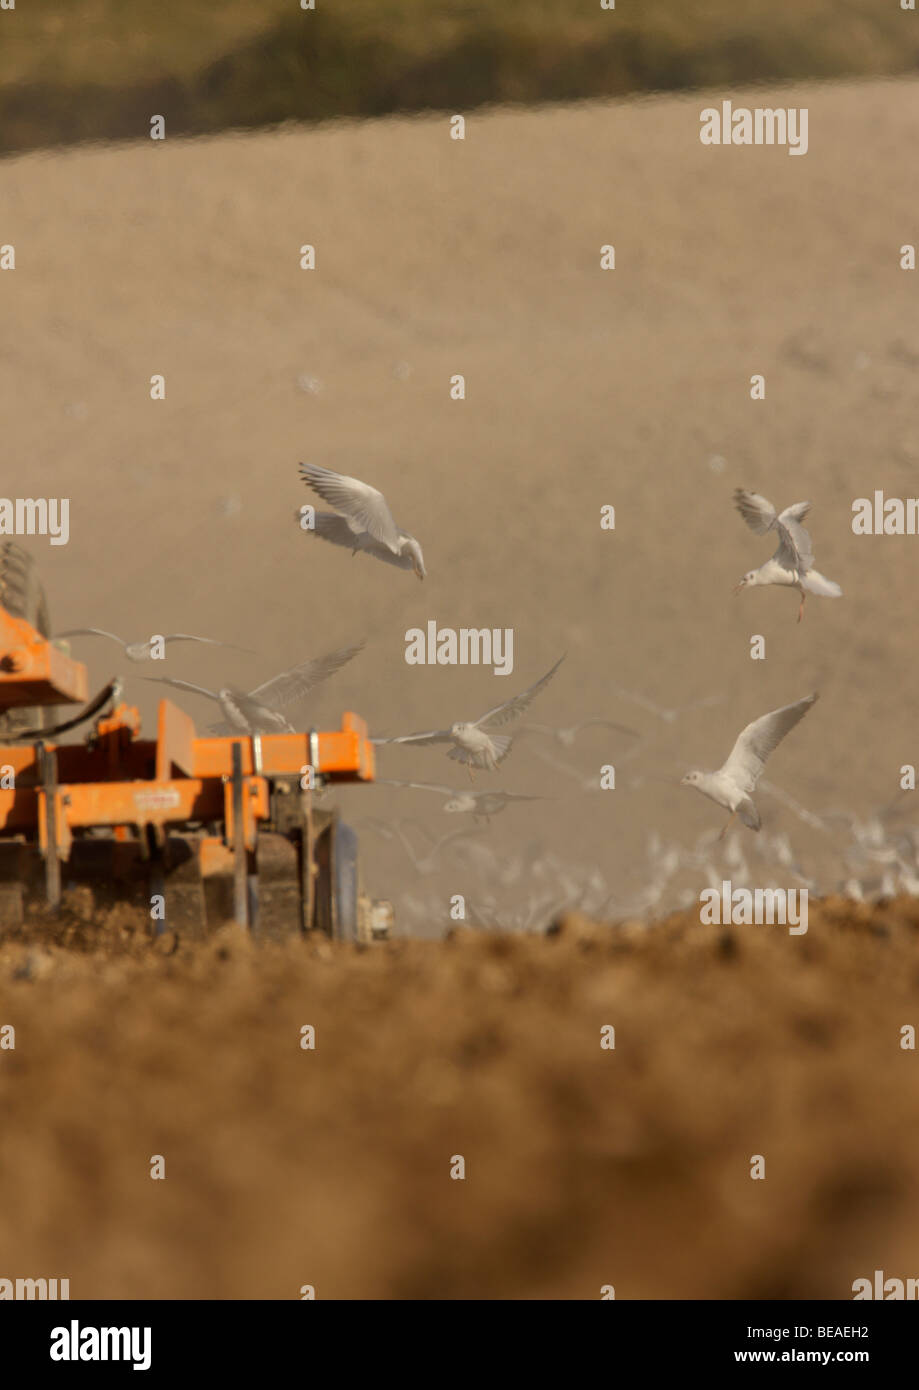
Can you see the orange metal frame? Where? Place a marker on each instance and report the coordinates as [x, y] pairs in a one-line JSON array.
[[33, 672], [119, 780]]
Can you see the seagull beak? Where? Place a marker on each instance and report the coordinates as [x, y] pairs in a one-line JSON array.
[[737, 587]]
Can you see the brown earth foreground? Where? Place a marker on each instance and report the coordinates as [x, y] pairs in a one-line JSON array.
[[584, 1166]]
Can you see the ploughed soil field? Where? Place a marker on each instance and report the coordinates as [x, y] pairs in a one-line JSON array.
[[585, 1165]]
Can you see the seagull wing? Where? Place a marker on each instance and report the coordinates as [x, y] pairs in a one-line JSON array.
[[509, 796], [576, 728], [210, 641], [465, 834], [181, 685], [365, 508], [757, 511], [434, 736], [638, 699], [329, 526], [794, 540], [300, 680], [607, 724], [92, 632], [419, 786], [502, 714], [796, 512], [759, 739], [705, 702]]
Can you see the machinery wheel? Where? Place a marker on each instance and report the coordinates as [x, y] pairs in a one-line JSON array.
[[345, 883], [337, 882], [22, 595]]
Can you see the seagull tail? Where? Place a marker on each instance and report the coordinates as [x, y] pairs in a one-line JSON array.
[[749, 814], [817, 583]]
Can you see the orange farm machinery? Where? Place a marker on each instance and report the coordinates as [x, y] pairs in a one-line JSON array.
[[193, 832]]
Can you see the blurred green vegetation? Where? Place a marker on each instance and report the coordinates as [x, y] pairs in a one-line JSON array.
[[98, 69]]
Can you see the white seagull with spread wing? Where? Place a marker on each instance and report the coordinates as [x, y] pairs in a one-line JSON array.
[[361, 521], [481, 805], [793, 562], [733, 783], [258, 711], [473, 743], [143, 651]]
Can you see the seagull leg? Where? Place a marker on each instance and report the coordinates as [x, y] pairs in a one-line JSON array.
[[727, 825], [801, 609], [469, 769]]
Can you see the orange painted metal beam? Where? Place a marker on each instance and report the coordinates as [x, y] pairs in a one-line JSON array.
[[137, 804], [33, 672], [120, 780]]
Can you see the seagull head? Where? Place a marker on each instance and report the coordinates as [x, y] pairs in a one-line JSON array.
[[692, 779], [457, 730], [138, 651], [749, 578]]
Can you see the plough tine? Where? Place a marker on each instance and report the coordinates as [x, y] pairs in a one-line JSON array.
[[47, 762], [240, 857]]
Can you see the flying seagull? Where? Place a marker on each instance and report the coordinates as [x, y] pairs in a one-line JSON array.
[[481, 805], [793, 562], [568, 735], [669, 716], [361, 520], [142, 651], [473, 743], [258, 712], [733, 783]]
